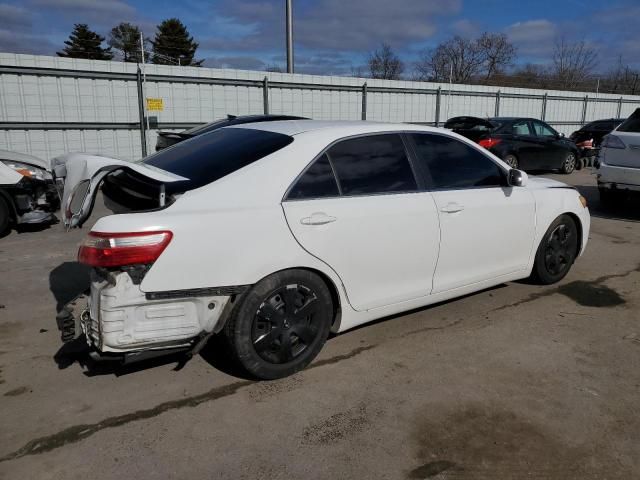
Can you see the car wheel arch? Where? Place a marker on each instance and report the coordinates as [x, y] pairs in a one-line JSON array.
[[579, 228], [13, 213]]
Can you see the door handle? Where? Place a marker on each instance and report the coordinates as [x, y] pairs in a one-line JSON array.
[[317, 218], [452, 208]]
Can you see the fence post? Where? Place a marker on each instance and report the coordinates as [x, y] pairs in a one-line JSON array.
[[364, 101], [438, 99], [497, 114], [544, 107], [265, 95], [143, 131], [619, 107], [584, 109]]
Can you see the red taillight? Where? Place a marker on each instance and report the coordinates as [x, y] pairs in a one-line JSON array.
[[118, 249], [489, 142]]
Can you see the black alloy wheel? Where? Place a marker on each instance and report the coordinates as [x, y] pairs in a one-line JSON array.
[[279, 326], [283, 325], [557, 251]]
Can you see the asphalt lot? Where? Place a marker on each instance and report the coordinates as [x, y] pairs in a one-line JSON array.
[[520, 381]]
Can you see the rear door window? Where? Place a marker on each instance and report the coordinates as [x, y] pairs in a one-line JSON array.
[[631, 124], [522, 128], [317, 182], [371, 165], [211, 156], [543, 130], [453, 165]]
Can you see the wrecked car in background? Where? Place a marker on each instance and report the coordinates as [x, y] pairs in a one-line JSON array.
[[27, 191]]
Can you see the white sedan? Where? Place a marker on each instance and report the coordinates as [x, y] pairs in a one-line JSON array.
[[275, 234]]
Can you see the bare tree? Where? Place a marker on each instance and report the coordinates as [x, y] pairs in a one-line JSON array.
[[573, 62], [497, 51], [385, 64], [621, 79], [458, 58]]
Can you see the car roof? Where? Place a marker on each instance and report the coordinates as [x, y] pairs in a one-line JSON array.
[[346, 127]]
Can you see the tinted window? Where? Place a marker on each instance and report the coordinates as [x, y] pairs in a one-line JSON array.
[[317, 182], [453, 164], [373, 164], [543, 130], [631, 124], [208, 157], [521, 128]]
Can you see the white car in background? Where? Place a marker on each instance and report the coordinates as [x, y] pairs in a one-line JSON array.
[[277, 233], [27, 192], [619, 161]]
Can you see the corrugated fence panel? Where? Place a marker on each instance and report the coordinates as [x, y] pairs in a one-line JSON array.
[[100, 101]]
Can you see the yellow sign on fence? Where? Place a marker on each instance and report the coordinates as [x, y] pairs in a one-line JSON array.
[[155, 105]]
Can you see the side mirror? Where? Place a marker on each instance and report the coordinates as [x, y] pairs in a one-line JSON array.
[[517, 178], [561, 135]]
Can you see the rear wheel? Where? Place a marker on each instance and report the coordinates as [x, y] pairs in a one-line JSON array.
[[557, 251], [4, 216], [511, 160], [569, 164], [281, 324]]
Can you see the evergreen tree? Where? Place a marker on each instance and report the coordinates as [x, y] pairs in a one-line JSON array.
[[173, 45], [126, 38], [84, 43]]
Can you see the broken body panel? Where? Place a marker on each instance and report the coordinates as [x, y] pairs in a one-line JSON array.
[[120, 317], [27, 189]]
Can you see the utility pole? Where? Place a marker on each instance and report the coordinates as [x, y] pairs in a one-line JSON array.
[[289, 36], [144, 84]]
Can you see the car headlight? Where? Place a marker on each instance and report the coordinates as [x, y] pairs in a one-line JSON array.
[[28, 170], [583, 201]]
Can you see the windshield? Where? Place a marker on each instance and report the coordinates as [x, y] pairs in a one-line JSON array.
[[209, 157]]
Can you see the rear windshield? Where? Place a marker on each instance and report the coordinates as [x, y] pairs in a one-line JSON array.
[[211, 156], [631, 124]]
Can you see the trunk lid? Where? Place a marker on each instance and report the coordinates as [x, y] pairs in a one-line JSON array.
[[78, 178]]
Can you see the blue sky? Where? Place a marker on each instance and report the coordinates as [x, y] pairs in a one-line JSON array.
[[332, 36]]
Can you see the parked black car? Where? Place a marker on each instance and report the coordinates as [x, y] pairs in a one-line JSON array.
[[595, 131], [166, 139], [589, 138], [524, 143]]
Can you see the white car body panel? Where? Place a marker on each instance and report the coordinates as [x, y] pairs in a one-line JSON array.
[[490, 236], [620, 167], [238, 230], [404, 251]]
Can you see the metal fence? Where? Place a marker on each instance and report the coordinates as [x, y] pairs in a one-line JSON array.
[[50, 106]]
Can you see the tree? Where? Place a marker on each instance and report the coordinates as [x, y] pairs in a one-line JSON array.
[[84, 43], [173, 45], [126, 38], [458, 59], [496, 51], [385, 64], [464, 59], [572, 62], [621, 79]]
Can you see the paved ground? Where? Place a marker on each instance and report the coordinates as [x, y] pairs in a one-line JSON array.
[[517, 382]]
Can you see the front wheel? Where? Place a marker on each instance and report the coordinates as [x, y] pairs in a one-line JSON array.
[[557, 251], [511, 160], [280, 324], [569, 164]]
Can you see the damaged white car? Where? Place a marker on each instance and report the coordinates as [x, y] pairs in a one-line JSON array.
[[276, 234], [27, 192]]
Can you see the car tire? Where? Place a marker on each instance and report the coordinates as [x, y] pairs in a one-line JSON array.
[[511, 160], [5, 216], [279, 326], [557, 251], [569, 163]]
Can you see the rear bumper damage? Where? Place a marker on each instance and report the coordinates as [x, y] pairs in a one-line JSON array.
[[120, 322]]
